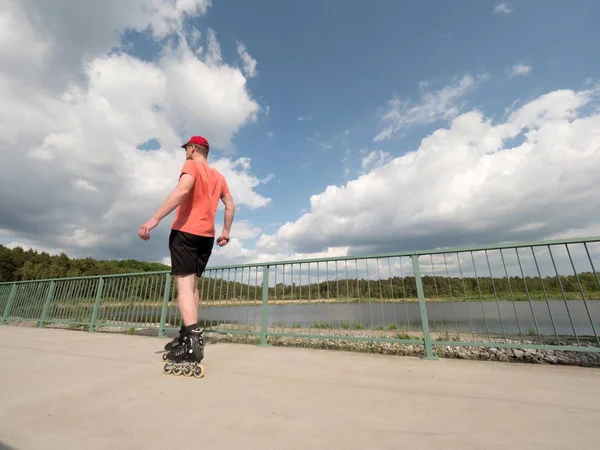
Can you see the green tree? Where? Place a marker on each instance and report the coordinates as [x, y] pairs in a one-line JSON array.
[[17, 265]]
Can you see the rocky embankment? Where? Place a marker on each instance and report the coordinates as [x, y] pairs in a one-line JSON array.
[[534, 356]]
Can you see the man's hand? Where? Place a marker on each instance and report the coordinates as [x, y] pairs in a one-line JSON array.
[[223, 240], [144, 231]]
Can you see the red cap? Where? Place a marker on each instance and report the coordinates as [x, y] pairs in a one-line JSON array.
[[199, 140]]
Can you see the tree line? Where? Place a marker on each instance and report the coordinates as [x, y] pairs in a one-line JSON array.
[[20, 265], [17, 264], [406, 287]]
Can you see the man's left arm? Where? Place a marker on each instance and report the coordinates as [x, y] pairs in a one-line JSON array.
[[174, 199]]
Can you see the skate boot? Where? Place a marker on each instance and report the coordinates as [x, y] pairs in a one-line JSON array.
[[178, 341], [186, 358]]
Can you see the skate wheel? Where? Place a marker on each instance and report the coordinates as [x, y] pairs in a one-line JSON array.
[[188, 371], [164, 357], [177, 370], [168, 369], [199, 371]]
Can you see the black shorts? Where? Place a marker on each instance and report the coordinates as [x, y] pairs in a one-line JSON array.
[[189, 252]]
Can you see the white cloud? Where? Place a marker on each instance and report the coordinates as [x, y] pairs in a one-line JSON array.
[[346, 155], [236, 252], [434, 106], [466, 184], [345, 160], [37, 247], [242, 182], [519, 70], [214, 49], [19, 39], [267, 179], [73, 111], [374, 159], [84, 184], [249, 62], [502, 8], [64, 33], [316, 138], [245, 230]]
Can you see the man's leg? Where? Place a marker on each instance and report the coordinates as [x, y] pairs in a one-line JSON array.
[[184, 254], [183, 263], [196, 294], [188, 298], [204, 247]]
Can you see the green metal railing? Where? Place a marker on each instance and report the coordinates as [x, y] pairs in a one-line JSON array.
[[538, 295]]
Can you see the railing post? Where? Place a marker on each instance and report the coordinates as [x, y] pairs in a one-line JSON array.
[[264, 308], [163, 314], [423, 309], [11, 299], [94, 318], [49, 296]]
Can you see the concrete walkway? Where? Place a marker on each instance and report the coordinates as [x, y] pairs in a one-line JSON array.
[[66, 390]]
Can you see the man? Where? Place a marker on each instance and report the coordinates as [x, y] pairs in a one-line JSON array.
[[192, 237]]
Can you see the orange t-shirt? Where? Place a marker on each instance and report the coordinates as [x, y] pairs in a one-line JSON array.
[[196, 213]]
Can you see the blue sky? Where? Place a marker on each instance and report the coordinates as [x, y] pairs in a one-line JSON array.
[[492, 98], [339, 62]]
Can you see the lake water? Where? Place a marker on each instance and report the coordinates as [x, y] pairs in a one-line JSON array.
[[463, 317]]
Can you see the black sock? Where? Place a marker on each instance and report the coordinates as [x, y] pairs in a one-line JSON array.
[[193, 327]]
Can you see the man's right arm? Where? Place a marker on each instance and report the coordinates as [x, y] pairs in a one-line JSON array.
[[229, 212], [227, 219]]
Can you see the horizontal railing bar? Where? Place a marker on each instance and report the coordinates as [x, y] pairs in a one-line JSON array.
[[437, 251], [89, 277]]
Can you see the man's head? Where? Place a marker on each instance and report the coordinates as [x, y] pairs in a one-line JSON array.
[[196, 144]]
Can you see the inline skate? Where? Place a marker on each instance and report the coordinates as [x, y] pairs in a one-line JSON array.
[[175, 342], [185, 359]]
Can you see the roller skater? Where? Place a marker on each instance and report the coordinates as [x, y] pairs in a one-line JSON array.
[[191, 240]]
